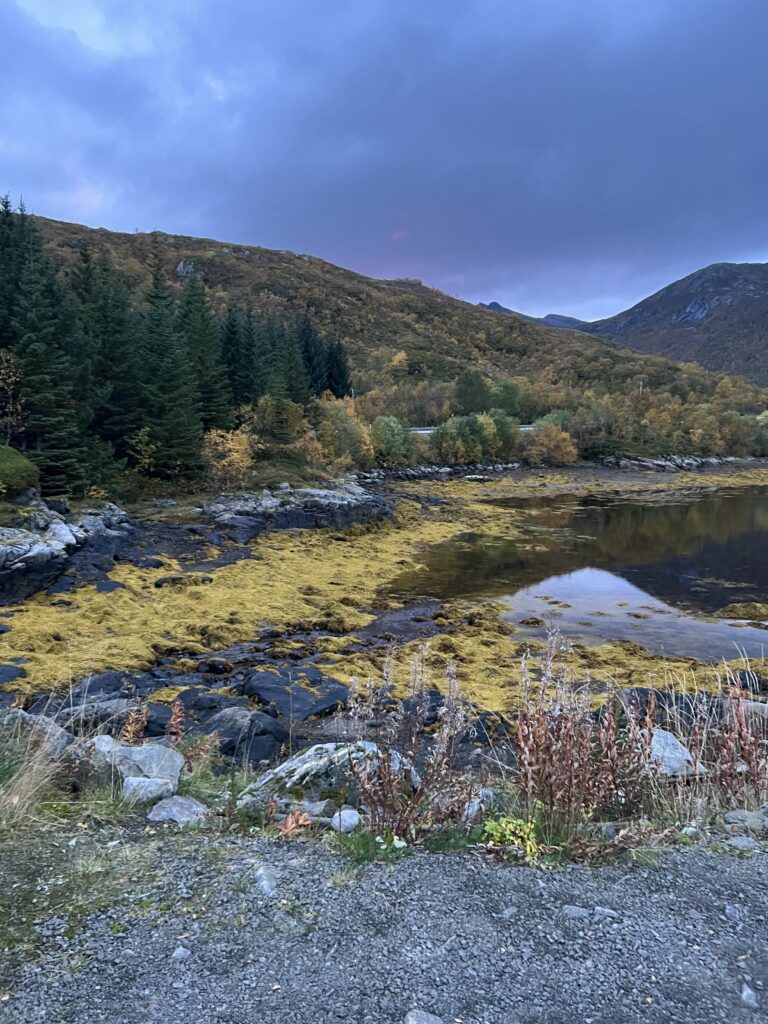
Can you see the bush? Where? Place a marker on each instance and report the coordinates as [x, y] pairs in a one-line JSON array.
[[549, 445], [17, 473], [392, 442], [346, 442]]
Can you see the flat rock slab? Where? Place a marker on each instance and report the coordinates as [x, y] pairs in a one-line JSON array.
[[179, 810]]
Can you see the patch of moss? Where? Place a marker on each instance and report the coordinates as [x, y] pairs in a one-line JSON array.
[[750, 610]]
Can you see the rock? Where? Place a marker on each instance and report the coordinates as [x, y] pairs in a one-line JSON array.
[[181, 953], [345, 820], [139, 790], [422, 1017], [149, 761], [41, 730], [247, 514], [575, 913], [266, 880], [754, 821], [670, 756], [295, 699], [745, 843], [27, 564], [102, 757], [183, 810], [249, 735], [323, 768], [749, 997]]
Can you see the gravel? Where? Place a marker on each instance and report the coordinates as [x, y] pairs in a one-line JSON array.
[[224, 929]]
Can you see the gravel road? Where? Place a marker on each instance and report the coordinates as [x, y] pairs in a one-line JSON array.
[[257, 932]]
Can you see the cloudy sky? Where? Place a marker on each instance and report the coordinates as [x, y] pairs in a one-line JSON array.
[[557, 156]]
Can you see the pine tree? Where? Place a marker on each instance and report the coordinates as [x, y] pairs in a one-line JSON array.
[[169, 389], [339, 381], [51, 434], [201, 334]]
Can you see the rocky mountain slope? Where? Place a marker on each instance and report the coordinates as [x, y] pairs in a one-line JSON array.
[[717, 317], [375, 319]]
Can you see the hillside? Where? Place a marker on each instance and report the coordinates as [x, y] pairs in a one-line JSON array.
[[376, 319], [717, 317]]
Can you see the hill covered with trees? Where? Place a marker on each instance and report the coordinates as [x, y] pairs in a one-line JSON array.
[[131, 357]]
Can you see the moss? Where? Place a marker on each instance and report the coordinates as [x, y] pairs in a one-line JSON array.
[[753, 610], [17, 473]]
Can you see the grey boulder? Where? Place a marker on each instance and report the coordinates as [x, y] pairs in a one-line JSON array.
[[180, 810], [137, 790]]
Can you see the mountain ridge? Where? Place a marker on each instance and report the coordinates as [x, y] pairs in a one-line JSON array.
[[716, 316]]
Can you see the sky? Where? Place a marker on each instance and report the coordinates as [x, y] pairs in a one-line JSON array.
[[566, 156]]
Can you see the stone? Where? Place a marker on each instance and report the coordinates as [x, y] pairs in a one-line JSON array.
[[181, 953], [345, 820], [247, 735], [295, 698], [745, 843], [575, 913], [41, 730], [139, 790], [322, 768], [670, 756], [753, 821], [149, 761], [182, 810], [266, 881], [422, 1017], [749, 997]]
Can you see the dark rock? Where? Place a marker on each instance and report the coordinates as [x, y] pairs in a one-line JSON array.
[[215, 666], [249, 735], [8, 673], [751, 681], [108, 586], [295, 698]]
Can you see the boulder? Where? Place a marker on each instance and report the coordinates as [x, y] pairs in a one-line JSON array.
[[319, 771], [182, 810], [138, 790], [753, 821], [42, 731], [247, 735], [295, 698], [102, 757], [670, 756]]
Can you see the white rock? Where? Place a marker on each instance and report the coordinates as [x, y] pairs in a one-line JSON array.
[[749, 997], [183, 810], [345, 820], [266, 880], [139, 790], [746, 843], [670, 756], [149, 761], [44, 731], [422, 1017]]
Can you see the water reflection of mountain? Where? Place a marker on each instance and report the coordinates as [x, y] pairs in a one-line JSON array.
[[704, 551]]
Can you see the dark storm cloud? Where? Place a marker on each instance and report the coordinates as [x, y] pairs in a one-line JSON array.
[[552, 155]]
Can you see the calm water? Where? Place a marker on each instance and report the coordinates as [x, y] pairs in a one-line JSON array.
[[652, 570]]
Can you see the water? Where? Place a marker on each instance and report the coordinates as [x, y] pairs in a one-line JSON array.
[[652, 570]]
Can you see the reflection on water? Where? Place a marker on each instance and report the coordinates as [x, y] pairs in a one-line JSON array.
[[599, 606], [693, 554]]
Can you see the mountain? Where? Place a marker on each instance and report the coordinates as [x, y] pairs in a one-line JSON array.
[[717, 317], [377, 319]]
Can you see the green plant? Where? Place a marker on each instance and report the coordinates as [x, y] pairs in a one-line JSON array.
[[513, 835], [365, 847]]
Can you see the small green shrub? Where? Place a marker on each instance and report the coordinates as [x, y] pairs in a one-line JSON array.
[[17, 473]]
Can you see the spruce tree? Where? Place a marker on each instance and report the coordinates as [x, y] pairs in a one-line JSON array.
[[201, 334], [339, 381], [169, 389], [237, 356], [314, 353], [51, 434]]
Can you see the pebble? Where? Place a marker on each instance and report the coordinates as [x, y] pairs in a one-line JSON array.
[[266, 880], [422, 1017], [746, 843], [575, 913], [749, 997]]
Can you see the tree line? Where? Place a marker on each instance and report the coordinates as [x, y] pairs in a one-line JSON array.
[[94, 378]]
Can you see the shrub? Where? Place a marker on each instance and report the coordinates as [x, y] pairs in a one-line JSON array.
[[17, 473], [401, 803], [345, 440], [550, 445], [392, 442]]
